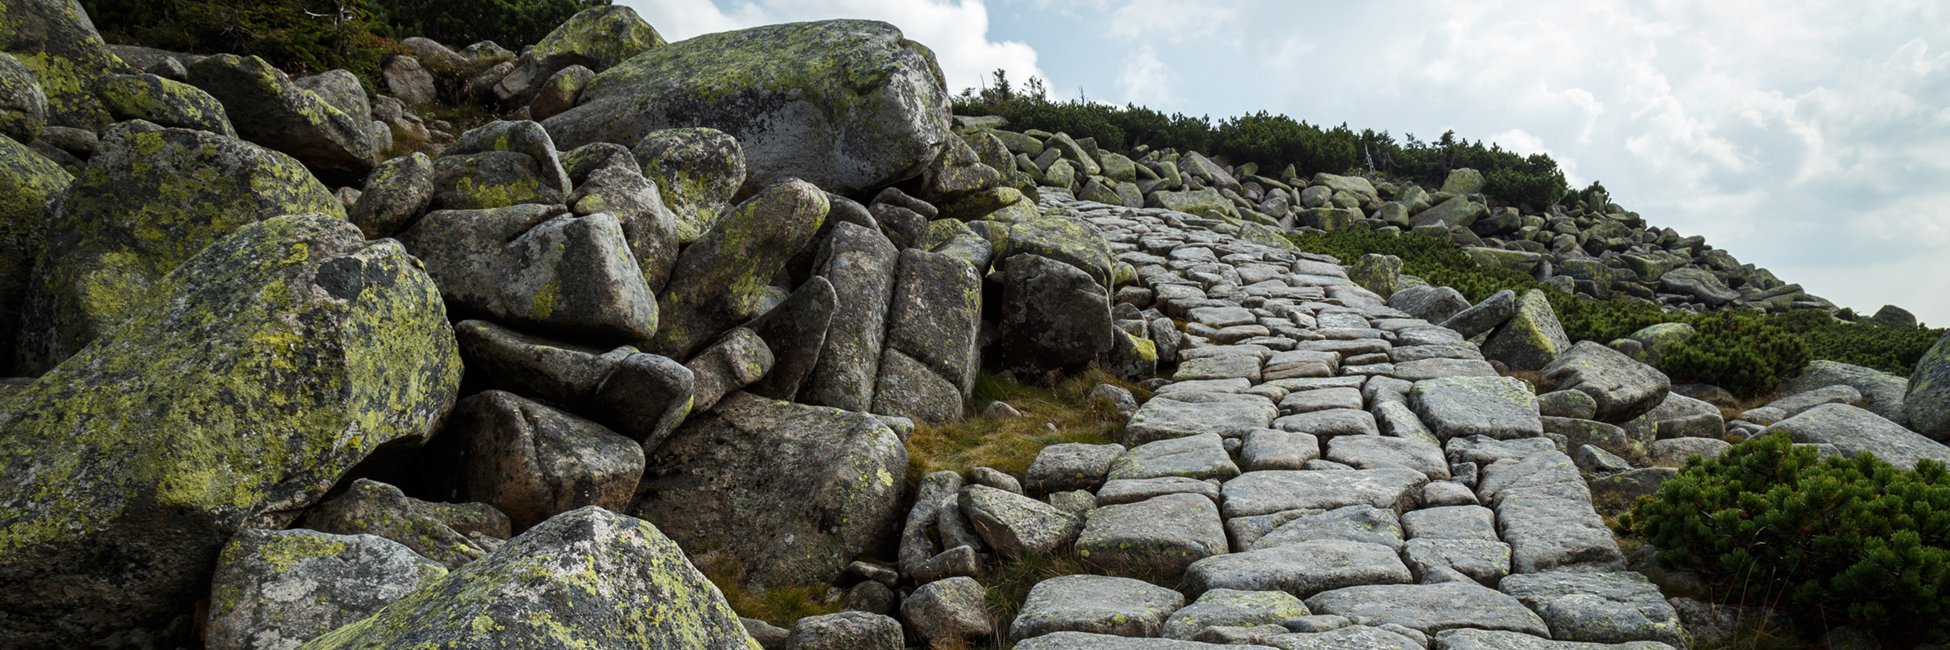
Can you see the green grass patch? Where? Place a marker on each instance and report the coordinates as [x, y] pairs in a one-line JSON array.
[[1058, 414], [778, 605]]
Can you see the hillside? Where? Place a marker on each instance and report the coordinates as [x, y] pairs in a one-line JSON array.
[[765, 339]]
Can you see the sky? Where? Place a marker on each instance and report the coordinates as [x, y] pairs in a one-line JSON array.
[[1810, 138]]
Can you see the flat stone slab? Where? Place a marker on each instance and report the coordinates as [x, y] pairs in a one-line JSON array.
[[1436, 367], [1161, 535], [1201, 456], [1430, 608], [1222, 317], [1230, 366], [1234, 608], [1497, 407], [1135, 490], [1320, 400], [1095, 604], [1451, 522], [1276, 449], [1086, 641], [1853, 430], [1226, 415], [1331, 422], [1301, 569], [1267, 492], [1485, 561], [1370, 452], [1547, 533], [1070, 466], [1598, 607], [1353, 637], [1543, 473], [1361, 523], [1495, 640]]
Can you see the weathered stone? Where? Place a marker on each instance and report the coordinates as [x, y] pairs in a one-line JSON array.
[[31, 185], [452, 534], [396, 193], [795, 332], [1497, 407], [645, 396], [533, 462], [778, 89], [1485, 561], [588, 577], [1095, 604], [1201, 456], [269, 108], [243, 385], [132, 216], [279, 589], [1155, 537], [164, 102], [845, 631], [617, 188], [1266, 492], [860, 263], [1053, 315], [1547, 532], [1274, 449], [1302, 568], [1622, 387], [830, 488], [731, 363], [55, 41], [23, 107], [1357, 523], [1232, 607], [1926, 403], [1468, 639], [1088, 641], [717, 281], [1884, 391], [1430, 609], [1139, 489], [1484, 316], [1015, 525], [597, 38], [1532, 337], [1369, 452], [697, 169], [1853, 430], [1598, 607], [1070, 466]]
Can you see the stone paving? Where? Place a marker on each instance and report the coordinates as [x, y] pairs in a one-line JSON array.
[[1322, 471]]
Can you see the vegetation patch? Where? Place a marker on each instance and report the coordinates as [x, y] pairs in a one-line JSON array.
[[1833, 541], [1063, 413]]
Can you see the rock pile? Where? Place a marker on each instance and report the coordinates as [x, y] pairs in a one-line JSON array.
[[301, 369]]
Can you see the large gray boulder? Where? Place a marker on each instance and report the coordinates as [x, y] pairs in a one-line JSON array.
[[1158, 536], [793, 491], [241, 388], [1095, 604], [1926, 403], [1531, 338], [586, 578], [933, 327], [31, 184], [1884, 391], [1623, 387], [860, 263], [281, 588], [452, 534], [1853, 430], [848, 105], [269, 108], [1053, 315], [533, 462], [1017, 526], [1598, 607], [597, 38], [698, 170], [55, 40], [149, 199], [1430, 608], [164, 102], [23, 107], [1498, 407], [718, 281]]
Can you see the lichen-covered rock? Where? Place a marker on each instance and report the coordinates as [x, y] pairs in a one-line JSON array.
[[697, 169], [1158, 536], [489, 179], [1053, 315], [933, 320], [267, 107], [1531, 338], [163, 101], [148, 200], [1598, 607], [395, 194], [238, 391], [793, 491], [588, 578], [847, 105], [717, 282], [1926, 402], [794, 332], [860, 262], [28, 186], [597, 38], [1015, 525], [949, 611], [55, 40], [452, 534], [1456, 407], [616, 185], [533, 462], [1095, 604], [1884, 391], [1853, 430], [559, 92], [845, 631], [1232, 607], [277, 589], [1623, 387], [23, 107], [530, 265]]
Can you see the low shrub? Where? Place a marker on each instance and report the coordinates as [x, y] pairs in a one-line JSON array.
[[1834, 541]]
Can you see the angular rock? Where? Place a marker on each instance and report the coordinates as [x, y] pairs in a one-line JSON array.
[[1926, 403], [795, 332], [1369, 452], [1358, 523], [1484, 316], [845, 631], [1547, 532], [451, 534], [1070, 466], [1097, 605], [131, 217], [1267, 492], [1467, 639], [163, 102], [697, 169], [1225, 415], [1232, 607], [1054, 316], [847, 105], [1015, 525], [533, 462], [1884, 391], [733, 362], [934, 318], [1088, 641], [1485, 561], [1623, 387], [23, 107], [597, 38], [55, 41], [645, 396], [396, 193], [279, 589], [1159, 536], [588, 577], [279, 373], [1201, 456], [860, 263], [718, 281], [1428, 302], [1497, 407], [1853, 430], [31, 184], [1274, 449], [949, 611], [267, 107], [1302, 568], [793, 491], [1598, 607], [1531, 338]]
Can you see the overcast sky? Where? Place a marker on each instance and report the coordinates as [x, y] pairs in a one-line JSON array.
[[1811, 138]]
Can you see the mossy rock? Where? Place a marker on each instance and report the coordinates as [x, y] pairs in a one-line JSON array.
[[149, 199], [451, 534], [23, 107], [718, 281], [848, 105], [241, 388], [164, 102], [55, 39], [1206, 202], [597, 38], [27, 184], [1532, 338], [1064, 239], [697, 170], [280, 588], [588, 578], [267, 107]]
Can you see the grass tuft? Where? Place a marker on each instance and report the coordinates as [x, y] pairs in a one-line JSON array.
[[1063, 413]]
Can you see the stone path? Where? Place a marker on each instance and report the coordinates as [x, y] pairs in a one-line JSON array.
[[1322, 471]]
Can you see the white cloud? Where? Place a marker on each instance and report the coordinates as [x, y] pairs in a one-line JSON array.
[[1146, 80], [1168, 20], [957, 30]]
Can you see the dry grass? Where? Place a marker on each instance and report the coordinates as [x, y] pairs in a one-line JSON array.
[[778, 605], [1059, 414]]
